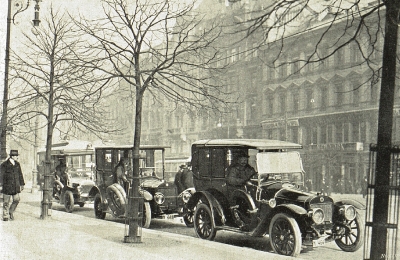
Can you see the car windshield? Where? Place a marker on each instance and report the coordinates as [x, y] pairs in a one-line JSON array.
[[282, 166]]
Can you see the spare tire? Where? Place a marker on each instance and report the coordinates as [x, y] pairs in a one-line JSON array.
[[116, 197]]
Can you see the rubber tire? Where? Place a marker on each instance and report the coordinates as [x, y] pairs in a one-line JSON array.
[[116, 199], [188, 217], [98, 210], [290, 227], [146, 215], [69, 201], [203, 223], [354, 224]]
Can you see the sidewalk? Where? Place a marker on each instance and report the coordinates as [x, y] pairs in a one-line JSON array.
[[70, 236]]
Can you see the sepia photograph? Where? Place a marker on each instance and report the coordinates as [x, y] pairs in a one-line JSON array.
[[199, 129]]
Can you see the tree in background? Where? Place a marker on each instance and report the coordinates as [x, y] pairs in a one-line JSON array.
[[161, 47], [52, 81]]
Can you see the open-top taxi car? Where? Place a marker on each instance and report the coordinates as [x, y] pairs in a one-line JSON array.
[[271, 202], [160, 196]]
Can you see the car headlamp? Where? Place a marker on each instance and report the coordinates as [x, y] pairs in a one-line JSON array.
[[186, 196], [159, 198], [318, 216], [349, 212], [272, 203]]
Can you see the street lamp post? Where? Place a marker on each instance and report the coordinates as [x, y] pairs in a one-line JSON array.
[[4, 122]]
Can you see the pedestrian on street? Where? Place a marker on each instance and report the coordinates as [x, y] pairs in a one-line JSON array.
[[178, 179], [187, 178], [13, 184]]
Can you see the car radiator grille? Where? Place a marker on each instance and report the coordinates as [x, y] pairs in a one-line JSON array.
[[326, 207]]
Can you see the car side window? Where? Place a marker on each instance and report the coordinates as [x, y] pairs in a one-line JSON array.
[[218, 163], [204, 162]]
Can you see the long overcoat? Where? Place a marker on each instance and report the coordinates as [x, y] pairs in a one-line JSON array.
[[12, 177]]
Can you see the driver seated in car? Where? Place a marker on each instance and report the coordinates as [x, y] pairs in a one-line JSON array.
[[240, 172], [239, 175]]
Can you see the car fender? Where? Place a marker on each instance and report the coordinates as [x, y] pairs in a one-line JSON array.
[[292, 208], [146, 195], [356, 204], [208, 198], [93, 191], [246, 196]]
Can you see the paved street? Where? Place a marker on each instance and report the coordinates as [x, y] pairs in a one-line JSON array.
[[71, 236]]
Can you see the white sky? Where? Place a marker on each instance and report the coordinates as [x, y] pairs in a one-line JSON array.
[[24, 21]]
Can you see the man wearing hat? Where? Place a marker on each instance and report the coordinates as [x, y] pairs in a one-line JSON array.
[[240, 172], [13, 184], [178, 179]]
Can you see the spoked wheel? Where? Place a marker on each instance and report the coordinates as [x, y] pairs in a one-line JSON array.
[[203, 223], [98, 210], [117, 199], [69, 201], [146, 215], [284, 235], [352, 238], [188, 217]]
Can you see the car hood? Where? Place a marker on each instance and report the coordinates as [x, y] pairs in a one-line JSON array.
[[152, 183], [82, 182], [293, 195]]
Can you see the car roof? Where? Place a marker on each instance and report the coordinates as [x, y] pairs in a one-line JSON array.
[[130, 146], [261, 144]]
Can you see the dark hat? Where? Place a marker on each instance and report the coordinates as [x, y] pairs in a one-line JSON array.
[[182, 166], [13, 153]]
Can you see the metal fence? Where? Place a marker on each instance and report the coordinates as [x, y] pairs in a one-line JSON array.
[[392, 210]]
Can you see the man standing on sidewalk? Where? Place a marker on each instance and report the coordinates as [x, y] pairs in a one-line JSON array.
[[13, 184]]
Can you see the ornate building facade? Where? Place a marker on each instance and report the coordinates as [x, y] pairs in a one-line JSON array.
[[330, 106]]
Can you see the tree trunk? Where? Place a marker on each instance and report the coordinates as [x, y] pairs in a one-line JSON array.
[[135, 198]]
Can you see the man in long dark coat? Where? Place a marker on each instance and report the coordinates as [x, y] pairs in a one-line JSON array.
[[13, 184]]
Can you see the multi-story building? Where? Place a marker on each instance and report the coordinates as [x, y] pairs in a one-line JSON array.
[[330, 106]]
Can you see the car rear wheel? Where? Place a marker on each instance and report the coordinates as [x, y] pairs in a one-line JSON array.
[[203, 222], [146, 215], [98, 210], [352, 238], [285, 235], [69, 201]]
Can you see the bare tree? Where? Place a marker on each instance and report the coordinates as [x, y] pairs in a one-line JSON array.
[[53, 82], [162, 47], [336, 24]]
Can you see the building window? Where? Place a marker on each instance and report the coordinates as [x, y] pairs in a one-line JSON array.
[[339, 94], [339, 133], [339, 57], [282, 102], [309, 99], [295, 67], [270, 105], [295, 101], [324, 97], [347, 132], [330, 133], [233, 55]]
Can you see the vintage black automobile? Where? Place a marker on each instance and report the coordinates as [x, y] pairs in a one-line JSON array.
[[75, 193], [272, 202], [160, 196]]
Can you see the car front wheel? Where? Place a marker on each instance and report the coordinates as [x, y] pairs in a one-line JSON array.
[[203, 222], [69, 201], [98, 210], [285, 235], [188, 217], [352, 239]]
